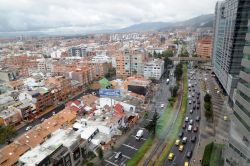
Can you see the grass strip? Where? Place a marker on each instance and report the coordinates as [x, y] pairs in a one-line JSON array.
[[216, 155], [141, 152], [178, 123]]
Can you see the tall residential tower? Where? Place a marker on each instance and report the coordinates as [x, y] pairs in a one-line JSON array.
[[230, 27]]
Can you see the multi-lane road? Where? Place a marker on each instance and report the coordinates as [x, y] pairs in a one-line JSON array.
[[180, 157]]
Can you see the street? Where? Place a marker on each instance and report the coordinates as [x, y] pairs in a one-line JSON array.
[[131, 145], [180, 157]]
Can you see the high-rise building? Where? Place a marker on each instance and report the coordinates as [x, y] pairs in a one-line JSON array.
[[238, 151], [231, 18]]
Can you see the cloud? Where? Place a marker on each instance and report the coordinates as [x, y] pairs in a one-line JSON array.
[[39, 15]]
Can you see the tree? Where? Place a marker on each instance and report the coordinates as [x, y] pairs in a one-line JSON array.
[[178, 71], [207, 97], [6, 133], [100, 153], [151, 126]]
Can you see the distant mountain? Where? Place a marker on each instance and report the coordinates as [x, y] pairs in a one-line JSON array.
[[200, 21], [147, 26]]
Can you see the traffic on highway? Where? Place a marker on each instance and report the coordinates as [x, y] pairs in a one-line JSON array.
[[181, 153]]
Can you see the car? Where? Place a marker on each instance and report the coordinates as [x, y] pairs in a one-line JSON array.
[[193, 138], [191, 121], [118, 155], [171, 156], [186, 163], [198, 97], [184, 126], [193, 94], [184, 140], [189, 89], [194, 100], [191, 111], [177, 142], [189, 127], [195, 129], [186, 119], [189, 154], [194, 106], [198, 101], [198, 93], [28, 128], [189, 96], [190, 102], [139, 134], [42, 119], [181, 134], [181, 147], [193, 90], [173, 164], [198, 107], [197, 118], [162, 105]]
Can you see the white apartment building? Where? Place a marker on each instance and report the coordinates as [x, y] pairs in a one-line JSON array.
[[44, 65], [63, 147], [154, 69]]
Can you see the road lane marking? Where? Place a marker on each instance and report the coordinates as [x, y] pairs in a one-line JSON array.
[[111, 156], [126, 156], [130, 146], [111, 163]]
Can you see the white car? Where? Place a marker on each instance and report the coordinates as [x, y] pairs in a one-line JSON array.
[[28, 128], [189, 127], [162, 105], [190, 102], [186, 119], [191, 111]]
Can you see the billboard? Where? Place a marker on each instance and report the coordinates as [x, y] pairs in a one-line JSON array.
[[109, 92]]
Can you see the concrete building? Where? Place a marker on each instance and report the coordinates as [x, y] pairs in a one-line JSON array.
[[154, 69], [78, 51], [238, 151], [8, 75], [63, 147], [204, 47], [44, 65], [10, 116], [231, 18]]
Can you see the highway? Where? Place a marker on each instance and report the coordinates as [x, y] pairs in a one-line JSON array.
[[180, 157]]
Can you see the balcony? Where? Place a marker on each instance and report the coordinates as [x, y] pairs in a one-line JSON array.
[[245, 76], [245, 63], [243, 88], [242, 101]]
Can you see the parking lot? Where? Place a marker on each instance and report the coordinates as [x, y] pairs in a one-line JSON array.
[[128, 149]]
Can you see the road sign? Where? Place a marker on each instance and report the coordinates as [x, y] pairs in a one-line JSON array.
[[109, 92]]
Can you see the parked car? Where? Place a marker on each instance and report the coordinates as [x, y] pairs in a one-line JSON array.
[[139, 134], [28, 128], [118, 155]]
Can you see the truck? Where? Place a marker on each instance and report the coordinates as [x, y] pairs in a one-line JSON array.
[[167, 81], [139, 134]]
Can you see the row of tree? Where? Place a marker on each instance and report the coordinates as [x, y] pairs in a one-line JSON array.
[[208, 106], [178, 71], [6, 133]]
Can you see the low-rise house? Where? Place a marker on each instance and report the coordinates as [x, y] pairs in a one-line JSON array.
[[10, 116]]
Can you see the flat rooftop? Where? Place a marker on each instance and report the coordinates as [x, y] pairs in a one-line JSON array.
[[10, 154], [58, 138]]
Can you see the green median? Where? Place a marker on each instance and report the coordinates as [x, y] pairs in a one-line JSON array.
[[178, 123]]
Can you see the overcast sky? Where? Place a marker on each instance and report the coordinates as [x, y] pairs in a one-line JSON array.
[[50, 15]]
